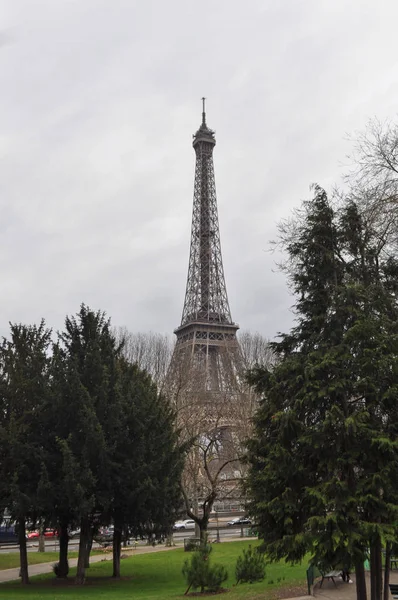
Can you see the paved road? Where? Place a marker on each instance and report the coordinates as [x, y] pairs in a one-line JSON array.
[[53, 545]]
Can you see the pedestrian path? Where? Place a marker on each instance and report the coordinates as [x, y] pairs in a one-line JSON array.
[[345, 591], [340, 591]]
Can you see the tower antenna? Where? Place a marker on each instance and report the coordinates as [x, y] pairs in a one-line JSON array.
[[203, 111]]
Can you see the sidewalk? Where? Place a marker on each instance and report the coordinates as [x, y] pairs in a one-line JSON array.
[[13, 574], [344, 591], [340, 591]]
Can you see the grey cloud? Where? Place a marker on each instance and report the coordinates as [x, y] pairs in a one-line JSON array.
[[99, 102]]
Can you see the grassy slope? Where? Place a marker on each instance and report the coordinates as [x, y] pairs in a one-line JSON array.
[[155, 576]]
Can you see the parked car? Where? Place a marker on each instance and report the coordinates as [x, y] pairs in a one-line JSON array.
[[74, 533], [186, 524], [48, 533], [104, 536], [239, 521], [8, 534]]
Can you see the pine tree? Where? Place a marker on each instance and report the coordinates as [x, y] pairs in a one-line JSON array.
[[23, 392], [323, 458], [91, 356], [73, 430], [147, 462]]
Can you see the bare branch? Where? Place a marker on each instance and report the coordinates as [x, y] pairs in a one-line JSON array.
[[150, 351]]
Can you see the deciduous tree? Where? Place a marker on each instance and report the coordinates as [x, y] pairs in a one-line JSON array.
[[149, 350]]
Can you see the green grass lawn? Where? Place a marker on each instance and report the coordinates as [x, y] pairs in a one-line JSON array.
[[158, 575], [10, 560]]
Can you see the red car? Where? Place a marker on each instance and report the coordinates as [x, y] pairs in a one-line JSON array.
[[48, 533]]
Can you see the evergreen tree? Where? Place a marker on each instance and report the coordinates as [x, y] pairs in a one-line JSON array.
[[323, 459], [118, 457], [91, 357], [23, 392], [147, 462], [72, 430]]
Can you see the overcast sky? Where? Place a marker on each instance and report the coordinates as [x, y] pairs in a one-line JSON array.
[[98, 103]]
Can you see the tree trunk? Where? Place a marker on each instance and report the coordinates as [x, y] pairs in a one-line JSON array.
[[360, 581], [376, 578], [89, 545], [150, 540], [42, 547], [195, 507], [386, 593], [379, 569], [63, 566], [23, 555], [126, 537], [117, 544], [81, 561], [203, 535], [372, 563]]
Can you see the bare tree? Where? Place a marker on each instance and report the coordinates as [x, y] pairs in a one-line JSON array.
[[373, 184], [150, 351], [255, 349], [375, 153], [215, 426]]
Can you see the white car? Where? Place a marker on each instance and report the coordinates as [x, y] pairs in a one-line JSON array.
[[187, 524], [239, 521]]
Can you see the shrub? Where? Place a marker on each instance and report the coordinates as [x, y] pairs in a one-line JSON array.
[[191, 544], [57, 571], [200, 574], [250, 566]]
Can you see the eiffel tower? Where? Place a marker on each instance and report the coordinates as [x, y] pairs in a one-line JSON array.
[[206, 370]]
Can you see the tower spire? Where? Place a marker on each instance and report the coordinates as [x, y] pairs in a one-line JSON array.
[[206, 297]]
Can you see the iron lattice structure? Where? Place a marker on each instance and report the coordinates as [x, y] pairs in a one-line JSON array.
[[206, 363], [204, 381], [206, 294]]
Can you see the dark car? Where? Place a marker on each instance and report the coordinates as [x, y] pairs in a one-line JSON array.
[[239, 521], [104, 536], [8, 534]]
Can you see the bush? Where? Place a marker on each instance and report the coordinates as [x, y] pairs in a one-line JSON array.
[[250, 566], [57, 571], [191, 544], [200, 574]]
